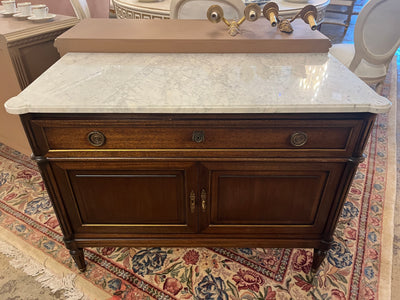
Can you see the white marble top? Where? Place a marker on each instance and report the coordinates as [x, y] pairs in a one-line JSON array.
[[197, 83]]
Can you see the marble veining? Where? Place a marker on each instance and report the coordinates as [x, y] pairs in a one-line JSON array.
[[197, 83]]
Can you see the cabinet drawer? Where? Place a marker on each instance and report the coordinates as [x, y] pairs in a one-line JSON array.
[[338, 135]]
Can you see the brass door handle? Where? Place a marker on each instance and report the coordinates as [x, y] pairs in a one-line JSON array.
[[203, 197], [192, 200], [298, 139], [96, 138]]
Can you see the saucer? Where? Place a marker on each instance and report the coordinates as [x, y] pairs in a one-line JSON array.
[[259, 2], [20, 16], [44, 19], [8, 13]]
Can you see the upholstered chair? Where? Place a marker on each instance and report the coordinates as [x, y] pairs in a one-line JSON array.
[[376, 39], [81, 9]]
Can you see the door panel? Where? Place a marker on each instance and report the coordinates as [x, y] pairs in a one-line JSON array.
[[143, 197], [262, 197], [267, 198], [128, 197]]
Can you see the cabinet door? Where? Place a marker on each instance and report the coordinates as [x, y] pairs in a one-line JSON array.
[[268, 198], [127, 197]]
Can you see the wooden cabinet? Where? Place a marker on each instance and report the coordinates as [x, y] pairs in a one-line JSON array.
[[26, 51], [237, 180]]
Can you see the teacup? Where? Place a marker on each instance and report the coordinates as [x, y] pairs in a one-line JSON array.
[[9, 5], [25, 8], [40, 11]]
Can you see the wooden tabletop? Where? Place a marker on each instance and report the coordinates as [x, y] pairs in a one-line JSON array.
[[12, 28]]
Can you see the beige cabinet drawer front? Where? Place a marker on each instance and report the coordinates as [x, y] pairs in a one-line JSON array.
[[338, 135]]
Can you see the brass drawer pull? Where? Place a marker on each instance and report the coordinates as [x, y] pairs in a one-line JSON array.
[[298, 139], [96, 138], [203, 197], [192, 198], [198, 136]]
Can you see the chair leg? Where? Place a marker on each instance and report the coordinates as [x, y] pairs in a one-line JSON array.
[[379, 87], [345, 29]]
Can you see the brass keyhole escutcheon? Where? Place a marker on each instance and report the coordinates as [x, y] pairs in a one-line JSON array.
[[298, 139], [198, 136], [203, 197], [96, 138]]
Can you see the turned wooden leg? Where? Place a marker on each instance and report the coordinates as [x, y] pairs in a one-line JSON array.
[[319, 256], [76, 253], [79, 258]]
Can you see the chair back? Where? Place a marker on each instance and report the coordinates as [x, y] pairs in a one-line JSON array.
[[197, 9], [81, 9], [377, 33]]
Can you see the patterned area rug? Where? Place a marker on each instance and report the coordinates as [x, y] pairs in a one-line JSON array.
[[357, 267]]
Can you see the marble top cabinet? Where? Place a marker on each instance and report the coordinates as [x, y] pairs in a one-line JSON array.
[[231, 150]]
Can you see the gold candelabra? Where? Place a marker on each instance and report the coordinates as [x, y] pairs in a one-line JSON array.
[[215, 14], [252, 12]]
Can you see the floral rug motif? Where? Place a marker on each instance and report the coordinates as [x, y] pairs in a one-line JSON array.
[[350, 271]]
